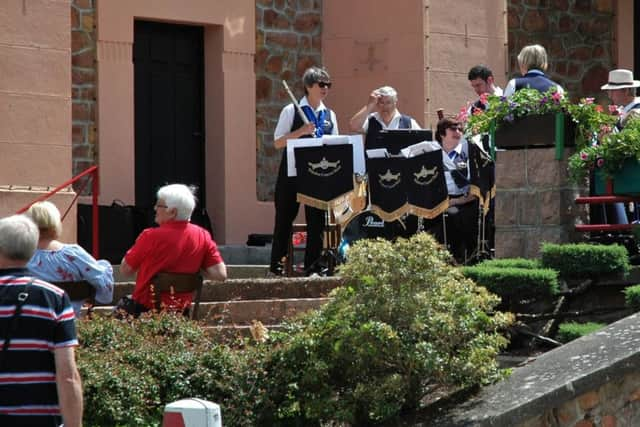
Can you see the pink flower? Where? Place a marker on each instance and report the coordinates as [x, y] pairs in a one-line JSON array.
[[600, 162], [484, 98], [589, 100], [605, 129], [557, 96], [583, 155], [476, 111], [613, 109]]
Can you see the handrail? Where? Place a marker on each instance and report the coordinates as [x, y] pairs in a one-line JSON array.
[[93, 170]]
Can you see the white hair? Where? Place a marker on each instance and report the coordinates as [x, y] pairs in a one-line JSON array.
[[18, 238], [388, 91], [180, 197]]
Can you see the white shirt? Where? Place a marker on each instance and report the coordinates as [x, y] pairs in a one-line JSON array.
[[462, 150], [289, 111], [393, 124]]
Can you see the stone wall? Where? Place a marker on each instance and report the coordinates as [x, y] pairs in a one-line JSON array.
[[589, 382], [534, 201], [83, 87], [287, 42], [578, 36]]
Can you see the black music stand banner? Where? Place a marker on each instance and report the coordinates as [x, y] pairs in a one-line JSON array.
[[387, 187], [426, 186], [324, 175], [482, 171]]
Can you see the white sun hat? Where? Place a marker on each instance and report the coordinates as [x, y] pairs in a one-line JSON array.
[[620, 79]]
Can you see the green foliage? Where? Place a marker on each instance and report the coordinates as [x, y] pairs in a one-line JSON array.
[[522, 103], [609, 155], [511, 262], [571, 330], [405, 320], [514, 284], [632, 297], [130, 370], [584, 260]]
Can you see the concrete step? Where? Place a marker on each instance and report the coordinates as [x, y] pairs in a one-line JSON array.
[[243, 313], [252, 289], [234, 271]]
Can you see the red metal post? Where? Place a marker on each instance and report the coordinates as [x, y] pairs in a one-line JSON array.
[[95, 225]]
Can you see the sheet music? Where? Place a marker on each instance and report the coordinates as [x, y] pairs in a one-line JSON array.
[[377, 153], [301, 142], [420, 148], [355, 141]]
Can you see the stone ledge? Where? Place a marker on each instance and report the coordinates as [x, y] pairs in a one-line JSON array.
[[552, 379]]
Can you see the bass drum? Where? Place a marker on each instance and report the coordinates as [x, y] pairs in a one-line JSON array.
[[367, 225]]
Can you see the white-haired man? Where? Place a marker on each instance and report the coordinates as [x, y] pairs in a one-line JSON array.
[[177, 246], [39, 381], [380, 112]]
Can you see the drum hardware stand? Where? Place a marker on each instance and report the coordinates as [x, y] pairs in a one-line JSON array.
[[331, 234]]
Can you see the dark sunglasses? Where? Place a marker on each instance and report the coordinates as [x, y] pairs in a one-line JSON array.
[[322, 85], [454, 128]]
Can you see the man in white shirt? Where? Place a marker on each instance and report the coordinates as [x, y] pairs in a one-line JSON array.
[[621, 89], [481, 80], [381, 112]]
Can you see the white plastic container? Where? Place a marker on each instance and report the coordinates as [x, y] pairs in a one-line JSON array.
[[192, 413]]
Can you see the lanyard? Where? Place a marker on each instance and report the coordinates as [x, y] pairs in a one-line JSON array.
[[318, 121]]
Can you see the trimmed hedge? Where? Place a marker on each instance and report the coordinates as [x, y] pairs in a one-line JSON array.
[[632, 297], [582, 260], [511, 262], [515, 284], [570, 331]]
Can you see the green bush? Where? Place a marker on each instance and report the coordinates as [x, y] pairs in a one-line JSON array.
[[511, 262], [405, 320], [130, 370], [632, 297], [515, 284], [571, 330], [584, 260]]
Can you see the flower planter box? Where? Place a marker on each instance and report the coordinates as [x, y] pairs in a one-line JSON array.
[[625, 182], [538, 130]]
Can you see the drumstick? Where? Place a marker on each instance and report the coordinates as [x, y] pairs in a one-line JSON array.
[[303, 116]]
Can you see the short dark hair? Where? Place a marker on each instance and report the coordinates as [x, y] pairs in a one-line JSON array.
[[480, 71], [443, 125], [313, 75]]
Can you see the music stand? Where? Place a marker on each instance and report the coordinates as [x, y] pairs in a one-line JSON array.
[[325, 179], [395, 140]]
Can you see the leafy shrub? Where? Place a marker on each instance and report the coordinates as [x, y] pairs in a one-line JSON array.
[[584, 260], [130, 370], [571, 330], [511, 262], [515, 284], [632, 297], [405, 321]]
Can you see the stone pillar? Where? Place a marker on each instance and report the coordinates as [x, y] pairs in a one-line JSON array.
[[534, 202]]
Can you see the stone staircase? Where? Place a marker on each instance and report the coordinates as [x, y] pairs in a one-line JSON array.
[[246, 296]]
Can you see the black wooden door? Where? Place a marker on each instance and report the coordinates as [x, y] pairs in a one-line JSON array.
[[169, 113]]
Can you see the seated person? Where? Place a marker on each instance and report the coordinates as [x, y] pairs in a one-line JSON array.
[[55, 261], [462, 219], [176, 246]]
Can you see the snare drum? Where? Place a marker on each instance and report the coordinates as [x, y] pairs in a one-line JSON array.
[[367, 225]]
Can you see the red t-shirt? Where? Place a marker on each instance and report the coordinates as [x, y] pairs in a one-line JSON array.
[[174, 247]]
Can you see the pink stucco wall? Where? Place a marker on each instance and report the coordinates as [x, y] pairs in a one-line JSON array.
[[35, 104], [229, 106]]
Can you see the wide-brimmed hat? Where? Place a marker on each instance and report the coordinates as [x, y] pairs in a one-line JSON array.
[[620, 79]]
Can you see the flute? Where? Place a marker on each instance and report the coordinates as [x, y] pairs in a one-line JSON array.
[[303, 116]]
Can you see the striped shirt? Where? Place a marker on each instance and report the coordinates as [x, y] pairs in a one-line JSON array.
[[28, 394]]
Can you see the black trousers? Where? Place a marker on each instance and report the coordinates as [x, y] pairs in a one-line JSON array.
[[286, 211], [462, 231]]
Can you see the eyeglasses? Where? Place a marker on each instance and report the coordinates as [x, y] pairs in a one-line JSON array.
[[322, 85]]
